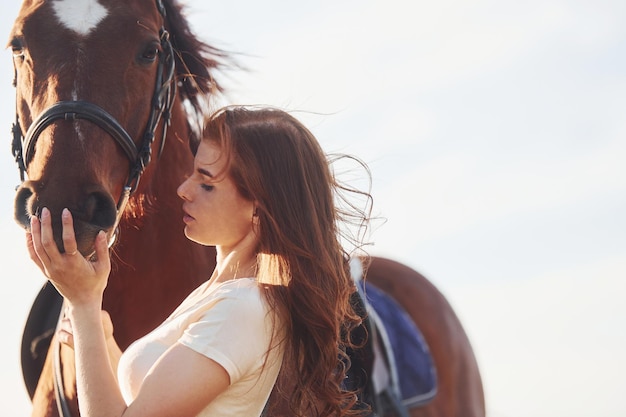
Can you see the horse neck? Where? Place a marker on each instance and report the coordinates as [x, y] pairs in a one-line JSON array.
[[155, 265]]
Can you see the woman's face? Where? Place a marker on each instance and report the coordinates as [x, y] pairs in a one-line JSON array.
[[215, 213]]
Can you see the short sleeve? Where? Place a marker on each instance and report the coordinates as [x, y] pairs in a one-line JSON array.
[[235, 331]]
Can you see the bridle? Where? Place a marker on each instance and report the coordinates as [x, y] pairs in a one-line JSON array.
[[23, 148]]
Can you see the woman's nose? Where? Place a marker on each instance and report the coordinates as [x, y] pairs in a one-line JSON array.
[[181, 190]]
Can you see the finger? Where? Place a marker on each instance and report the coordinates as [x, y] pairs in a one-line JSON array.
[[69, 236], [35, 230], [65, 324], [47, 237], [103, 263], [66, 338], [31, 250]]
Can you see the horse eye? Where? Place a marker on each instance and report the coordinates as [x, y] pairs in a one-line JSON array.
[[150, 53], [17, 46]]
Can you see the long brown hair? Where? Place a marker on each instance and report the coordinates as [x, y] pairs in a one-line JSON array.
[[277, 162]]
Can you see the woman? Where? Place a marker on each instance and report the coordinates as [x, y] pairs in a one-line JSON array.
[[262, 192]]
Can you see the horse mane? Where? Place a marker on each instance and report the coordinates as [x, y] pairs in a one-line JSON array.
[[196, 62]]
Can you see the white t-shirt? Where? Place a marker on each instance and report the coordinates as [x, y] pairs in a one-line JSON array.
[[227, 322]]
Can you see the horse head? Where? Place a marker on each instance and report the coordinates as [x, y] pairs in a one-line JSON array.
[[96, 82]]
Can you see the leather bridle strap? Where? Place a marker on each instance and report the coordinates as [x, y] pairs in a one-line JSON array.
[[78, 110], [59, 394]]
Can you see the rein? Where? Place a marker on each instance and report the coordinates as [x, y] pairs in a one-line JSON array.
[[23, 149]]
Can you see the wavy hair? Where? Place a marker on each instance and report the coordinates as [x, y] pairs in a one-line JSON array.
[[277, 162]]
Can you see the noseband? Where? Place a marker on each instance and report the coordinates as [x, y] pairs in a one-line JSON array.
[[23, 147]]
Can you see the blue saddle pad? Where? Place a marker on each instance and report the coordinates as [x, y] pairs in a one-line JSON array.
[[416, 372]]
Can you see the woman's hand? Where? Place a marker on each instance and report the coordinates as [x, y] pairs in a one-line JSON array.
[[79, 280]]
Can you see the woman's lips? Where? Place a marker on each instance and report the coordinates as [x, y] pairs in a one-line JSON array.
[[187, 218]]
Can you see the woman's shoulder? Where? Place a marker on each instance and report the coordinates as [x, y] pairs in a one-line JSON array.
[[209, 294], [240, 300], [247, 289]]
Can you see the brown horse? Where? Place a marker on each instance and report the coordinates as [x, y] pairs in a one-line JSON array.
[[98, 64], [107, 94]]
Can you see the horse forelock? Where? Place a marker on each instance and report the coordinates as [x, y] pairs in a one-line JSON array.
[[80, 16]]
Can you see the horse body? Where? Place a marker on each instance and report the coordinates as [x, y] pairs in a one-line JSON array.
[[107, 53]]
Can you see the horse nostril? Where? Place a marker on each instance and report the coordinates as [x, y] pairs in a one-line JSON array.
[[21, 209], [100, 210]]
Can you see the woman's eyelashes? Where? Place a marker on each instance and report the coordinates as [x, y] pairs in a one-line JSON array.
[[207, 187]]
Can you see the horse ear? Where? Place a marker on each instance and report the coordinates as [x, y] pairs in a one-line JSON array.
[[195, 59]]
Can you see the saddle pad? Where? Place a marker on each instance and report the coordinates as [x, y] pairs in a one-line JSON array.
[[416, 374]]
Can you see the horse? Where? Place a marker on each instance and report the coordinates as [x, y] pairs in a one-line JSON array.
[[105, 95], [109, 94]]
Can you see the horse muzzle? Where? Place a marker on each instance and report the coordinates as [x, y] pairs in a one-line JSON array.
[[94, 212]]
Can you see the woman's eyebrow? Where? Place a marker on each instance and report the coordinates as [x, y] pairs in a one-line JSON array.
[[204, 172]]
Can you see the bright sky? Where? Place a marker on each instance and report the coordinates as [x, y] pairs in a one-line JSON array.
[[496, 137]]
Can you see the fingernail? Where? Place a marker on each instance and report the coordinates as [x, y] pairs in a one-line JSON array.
[[45, 212], [65, 213]]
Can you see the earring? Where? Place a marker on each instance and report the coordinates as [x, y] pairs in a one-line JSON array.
[[255, 216]]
